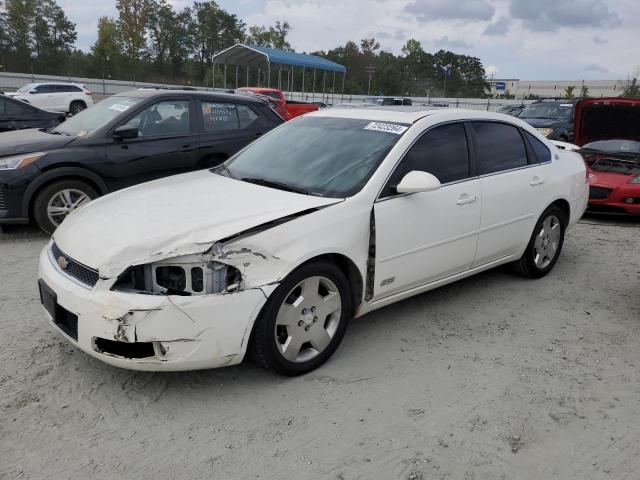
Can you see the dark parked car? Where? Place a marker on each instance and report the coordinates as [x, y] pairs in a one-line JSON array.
[[17, 115], [126, 139], [513, 110], [552, 118]]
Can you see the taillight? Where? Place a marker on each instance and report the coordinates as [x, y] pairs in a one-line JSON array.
[[88, 92]]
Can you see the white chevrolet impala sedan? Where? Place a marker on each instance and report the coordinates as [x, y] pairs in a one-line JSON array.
[[328, 217]]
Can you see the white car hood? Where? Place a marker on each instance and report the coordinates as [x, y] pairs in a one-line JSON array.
[[177, 215]]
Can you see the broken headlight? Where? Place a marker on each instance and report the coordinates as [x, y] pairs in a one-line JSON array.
[[187, 276]]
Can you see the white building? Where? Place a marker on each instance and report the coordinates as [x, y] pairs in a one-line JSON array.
[[556, 88]]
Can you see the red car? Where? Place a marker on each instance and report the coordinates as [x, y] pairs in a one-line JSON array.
[[286, 109], [608, 130]]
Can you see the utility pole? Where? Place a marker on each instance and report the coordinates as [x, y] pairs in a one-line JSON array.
[[370, 70]]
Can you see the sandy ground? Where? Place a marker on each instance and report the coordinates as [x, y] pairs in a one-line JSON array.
[[494, 377]]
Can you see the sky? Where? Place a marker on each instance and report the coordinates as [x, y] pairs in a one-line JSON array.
[[525, 39]]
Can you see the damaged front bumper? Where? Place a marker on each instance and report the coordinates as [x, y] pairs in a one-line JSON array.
[[150, 332]]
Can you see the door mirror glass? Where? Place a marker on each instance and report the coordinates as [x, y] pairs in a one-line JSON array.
[[417, 181], [125, 132]]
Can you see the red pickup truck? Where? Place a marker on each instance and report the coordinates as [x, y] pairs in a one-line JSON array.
[[286, 109]]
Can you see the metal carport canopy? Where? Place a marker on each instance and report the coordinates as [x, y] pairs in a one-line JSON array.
[[253, 55]]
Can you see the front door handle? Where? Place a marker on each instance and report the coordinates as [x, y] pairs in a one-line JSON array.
[[466, 198], [185, 148], [537, 181]]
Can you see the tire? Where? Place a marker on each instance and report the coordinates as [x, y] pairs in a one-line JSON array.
[[56, 200], [76, 107], [545, 244], [293, 334]]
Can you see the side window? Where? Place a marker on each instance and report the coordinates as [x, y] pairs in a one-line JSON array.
[[246, 116], [441, 151], [43, 89], [499, 147], [15, 108], [219, 117], [168, 117], [540, 150]]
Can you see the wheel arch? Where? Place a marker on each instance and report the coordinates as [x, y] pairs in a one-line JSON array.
[[57, 174], [564, 206]]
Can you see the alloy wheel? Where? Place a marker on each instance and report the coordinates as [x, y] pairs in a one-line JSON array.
[[547, 242], [64, 202], [308, 319]]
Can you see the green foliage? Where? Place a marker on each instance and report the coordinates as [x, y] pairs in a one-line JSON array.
[[568, 92], [584, 91], [631, 88], [35, 34], [150, 40]]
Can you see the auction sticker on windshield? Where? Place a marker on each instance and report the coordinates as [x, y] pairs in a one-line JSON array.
[[386, 127]]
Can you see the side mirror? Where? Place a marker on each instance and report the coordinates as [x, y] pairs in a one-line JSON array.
[[417, 181], [125, 132], [33, 92]]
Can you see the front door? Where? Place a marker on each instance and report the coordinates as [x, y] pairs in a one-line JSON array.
[[167, 144], [423, 237]]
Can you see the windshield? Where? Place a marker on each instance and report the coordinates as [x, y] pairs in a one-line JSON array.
[[88, 121], [330, 157], [26, 88], [560, 111], [615, 146]]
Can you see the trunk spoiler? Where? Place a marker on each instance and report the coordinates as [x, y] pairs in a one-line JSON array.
[[565, 146]]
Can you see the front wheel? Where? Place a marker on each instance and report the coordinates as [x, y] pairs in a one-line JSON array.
[[545, 244], [55, 201], [304, 321]]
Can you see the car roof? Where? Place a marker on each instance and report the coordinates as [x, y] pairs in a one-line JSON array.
[[56, 83], [407, 114], [152, 92]]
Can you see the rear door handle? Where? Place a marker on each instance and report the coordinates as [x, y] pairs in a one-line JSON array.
[[466, 198], [185, 148], [536, 181]]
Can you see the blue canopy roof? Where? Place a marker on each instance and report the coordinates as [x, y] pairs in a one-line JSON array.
[[253, 55]]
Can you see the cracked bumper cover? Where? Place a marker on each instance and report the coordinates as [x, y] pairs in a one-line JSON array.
[[188, 332]]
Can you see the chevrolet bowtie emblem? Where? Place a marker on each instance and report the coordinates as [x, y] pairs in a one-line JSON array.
[[63, 263]]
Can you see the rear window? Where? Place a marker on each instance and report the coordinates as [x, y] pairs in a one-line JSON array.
[[540, 151], [499, 147]]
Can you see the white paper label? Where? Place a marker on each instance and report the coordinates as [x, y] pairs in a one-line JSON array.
[[119, 107], [387, 127]]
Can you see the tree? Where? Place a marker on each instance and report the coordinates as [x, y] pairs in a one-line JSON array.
[[273, 37], [36, 33], [133, 21], [213, 30], [631, 89], [106, 53], [568, 92], [584, 91]]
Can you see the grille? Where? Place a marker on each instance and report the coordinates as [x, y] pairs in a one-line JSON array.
[[83, 274], [3, 205], [599, 193]]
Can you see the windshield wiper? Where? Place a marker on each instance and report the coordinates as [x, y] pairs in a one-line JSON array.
[[274, 184]]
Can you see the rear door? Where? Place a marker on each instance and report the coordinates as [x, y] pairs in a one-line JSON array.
[[515, 188], [167, 144], [227, 127]]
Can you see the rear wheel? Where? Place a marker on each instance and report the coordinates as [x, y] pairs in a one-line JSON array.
[[76, 107], [304, 321], [545, 244], [55, 201]]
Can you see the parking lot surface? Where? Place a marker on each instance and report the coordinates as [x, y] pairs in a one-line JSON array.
[[493, 377]]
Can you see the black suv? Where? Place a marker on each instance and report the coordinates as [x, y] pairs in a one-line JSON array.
[[552, 118], [126, 139]]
